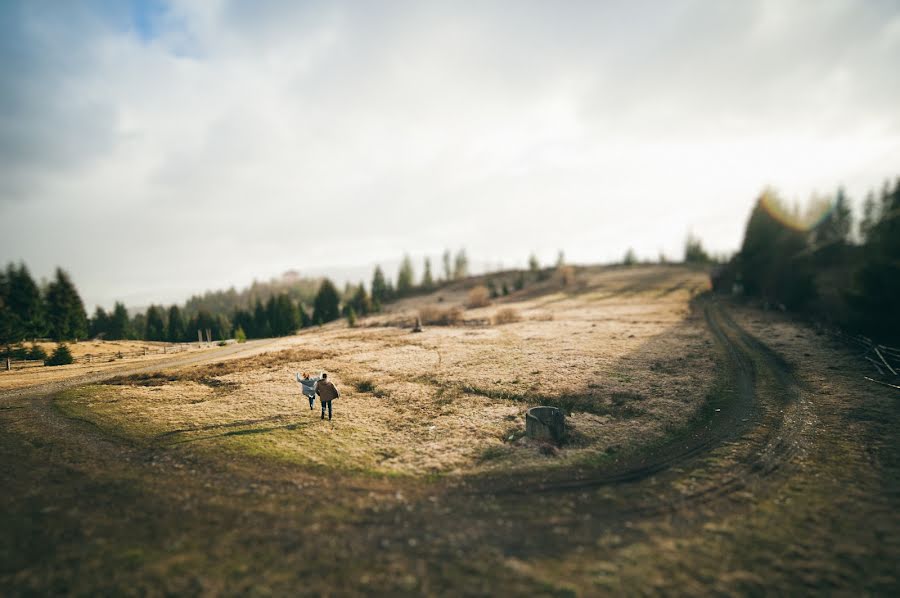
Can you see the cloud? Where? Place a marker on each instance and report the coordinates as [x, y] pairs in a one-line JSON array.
[[209, 135]]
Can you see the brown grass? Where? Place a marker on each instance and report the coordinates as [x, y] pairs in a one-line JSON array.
[[507, 315], [479, 296], [436, 315], [449, 399]]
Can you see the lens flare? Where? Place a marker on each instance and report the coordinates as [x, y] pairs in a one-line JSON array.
[[816, 212]]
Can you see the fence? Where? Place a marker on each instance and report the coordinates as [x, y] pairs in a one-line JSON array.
[[21, 364]]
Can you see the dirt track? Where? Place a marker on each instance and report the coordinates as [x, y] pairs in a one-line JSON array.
[[753, 496]]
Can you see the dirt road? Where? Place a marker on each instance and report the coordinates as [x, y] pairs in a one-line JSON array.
[[786, 482]]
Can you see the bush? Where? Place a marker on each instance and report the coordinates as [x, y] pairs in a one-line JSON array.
[[351, 318], [239, 335], [479, 297], [37, 353], [440, 316], [507, 315], [61, 356]]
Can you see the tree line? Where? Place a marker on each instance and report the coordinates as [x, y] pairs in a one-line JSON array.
[[835, 268]]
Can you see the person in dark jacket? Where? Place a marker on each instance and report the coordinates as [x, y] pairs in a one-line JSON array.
[[327, 392]]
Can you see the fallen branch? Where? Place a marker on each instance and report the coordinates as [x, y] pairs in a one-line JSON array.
[[875, 363], [883, 360], [882, 383]]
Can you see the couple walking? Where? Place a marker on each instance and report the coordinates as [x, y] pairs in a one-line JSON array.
[[322, 386]]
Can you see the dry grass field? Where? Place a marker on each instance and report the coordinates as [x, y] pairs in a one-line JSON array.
[[713, 448], [621, 353], [92, 356]]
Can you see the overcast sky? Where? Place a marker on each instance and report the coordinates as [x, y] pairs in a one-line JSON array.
[[156, 149]]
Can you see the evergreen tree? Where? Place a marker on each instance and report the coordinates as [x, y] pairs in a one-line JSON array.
[[12, 330], [694, 252], [492, 288], [66, 317], [284, 319], [460, 265], [155, 329], [176, 331], [379, 288], [405, 277], [505, 289], [836, 226], [533, 265], [519, 282], [560, 259], [305, 319], [869, 217], [771, 262], [99, 324], [358, 301], [137, 327], [119, 325], [61, 356], [448, 269], [261, 326], [326, 306], [427, 278], [878, 281], [243, 320], [630, 258], [24, 299]]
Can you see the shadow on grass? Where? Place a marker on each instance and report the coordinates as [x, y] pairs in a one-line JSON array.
[[245, 432]]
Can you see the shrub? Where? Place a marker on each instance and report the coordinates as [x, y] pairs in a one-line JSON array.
[[440, 316], [479, 296], [507, 315], [37, 353], [351, 318], [239, 335], [61, 356]]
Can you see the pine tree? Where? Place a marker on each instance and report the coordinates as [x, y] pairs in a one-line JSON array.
[[878, 281], [694, 252], [405, 277], [771, 262], [12, 330], [61, 356], [836, 226], [119, 326], [379, 288], [261, 326], [427, 278], [24, 299], [448, 269], [460, 265], [176, 331], [155, 329], [99, 323], [630, 258], [869, 217], [326, 306], [305, 319], [66, 317], [533, 264]]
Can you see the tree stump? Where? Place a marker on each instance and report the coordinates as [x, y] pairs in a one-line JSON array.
[[545, 423]]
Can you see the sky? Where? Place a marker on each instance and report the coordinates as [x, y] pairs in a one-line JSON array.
[[158, 149]]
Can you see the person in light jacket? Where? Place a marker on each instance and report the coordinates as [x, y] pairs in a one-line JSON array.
[[308, 387], [327, 392]]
